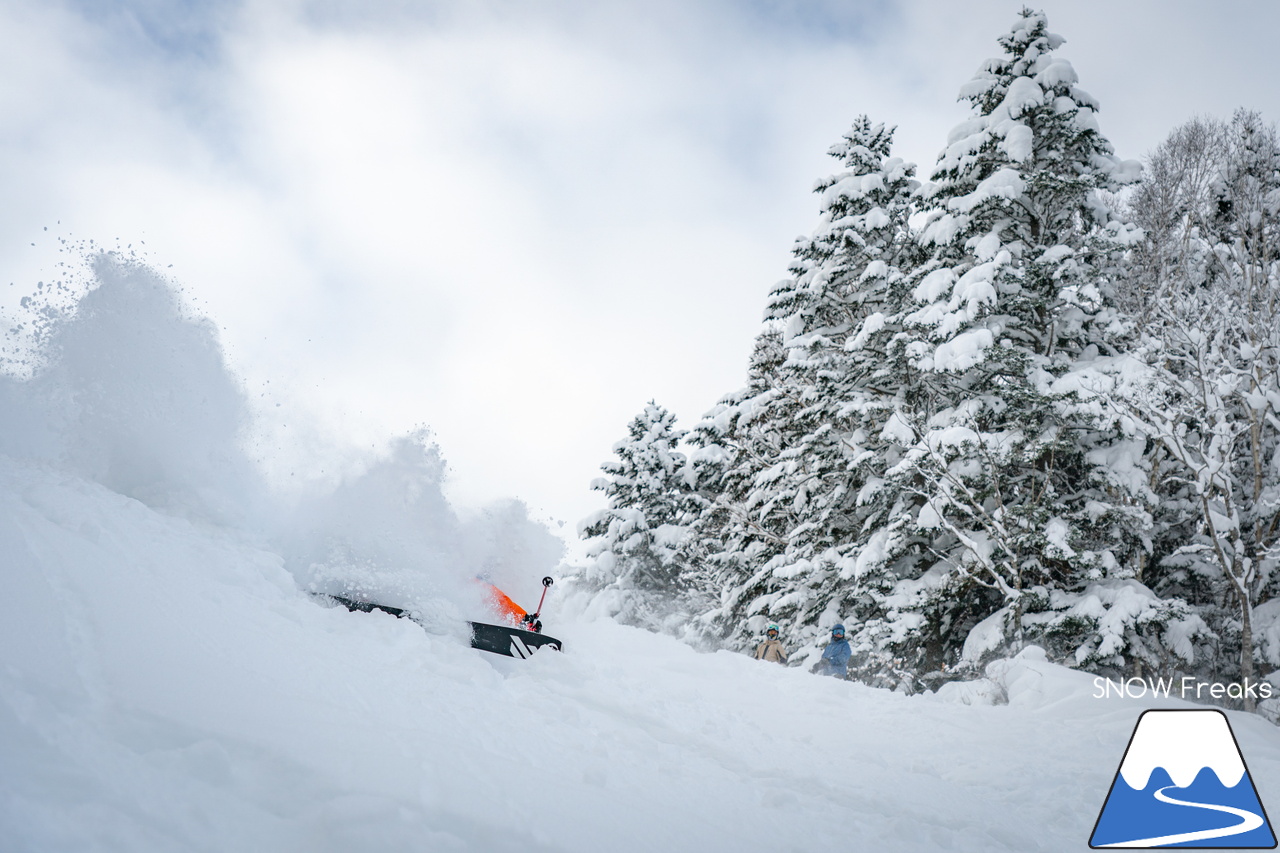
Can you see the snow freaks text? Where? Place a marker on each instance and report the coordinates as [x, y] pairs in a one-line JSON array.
[[1187, 687]]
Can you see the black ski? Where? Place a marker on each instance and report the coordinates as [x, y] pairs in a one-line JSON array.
[[505, 640], [368, 606]]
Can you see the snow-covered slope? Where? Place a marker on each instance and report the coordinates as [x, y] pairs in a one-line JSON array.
[[168, 684], [167, 687]]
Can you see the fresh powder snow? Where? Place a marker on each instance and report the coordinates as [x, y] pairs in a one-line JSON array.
[[168, 681], [1079, 404], [168, 686]]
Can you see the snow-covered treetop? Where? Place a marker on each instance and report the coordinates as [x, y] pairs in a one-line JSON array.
[[864, 149], [645, 463], [863, 208], [1029, 114], [649, 455], [1029, 44]]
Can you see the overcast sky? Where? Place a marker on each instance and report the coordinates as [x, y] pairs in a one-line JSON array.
[[517, 222]]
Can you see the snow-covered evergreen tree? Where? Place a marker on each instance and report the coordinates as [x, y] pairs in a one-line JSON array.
[[1019, 506], [634, 540], [949, 439], [797, 440]]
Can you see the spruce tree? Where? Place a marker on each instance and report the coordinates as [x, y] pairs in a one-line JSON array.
[[1019, 505], [932, 446], [634, 540], [798, 441]]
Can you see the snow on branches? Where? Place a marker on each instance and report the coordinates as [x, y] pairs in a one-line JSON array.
[[996, 408]]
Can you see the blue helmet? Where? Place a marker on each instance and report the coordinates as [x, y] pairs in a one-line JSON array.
[[837, 629]]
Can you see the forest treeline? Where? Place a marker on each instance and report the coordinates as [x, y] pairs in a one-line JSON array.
[[1033, 399]]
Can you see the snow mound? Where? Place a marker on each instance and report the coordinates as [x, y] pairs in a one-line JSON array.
[[1026, 680]]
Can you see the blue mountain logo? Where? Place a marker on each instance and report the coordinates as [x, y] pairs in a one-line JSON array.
[[1183, 783]]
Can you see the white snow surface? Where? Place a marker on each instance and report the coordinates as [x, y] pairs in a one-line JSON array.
[[167, 687]]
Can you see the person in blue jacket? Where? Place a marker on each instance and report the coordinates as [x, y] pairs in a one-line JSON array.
[[835, 658]]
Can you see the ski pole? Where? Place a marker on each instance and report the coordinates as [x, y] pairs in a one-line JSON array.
[[531, 619], [546, 584]]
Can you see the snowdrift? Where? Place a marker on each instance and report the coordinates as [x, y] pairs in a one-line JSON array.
[[167, 682], [166, 686]]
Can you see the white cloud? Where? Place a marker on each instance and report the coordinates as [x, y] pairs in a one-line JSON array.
[[515, 224]]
